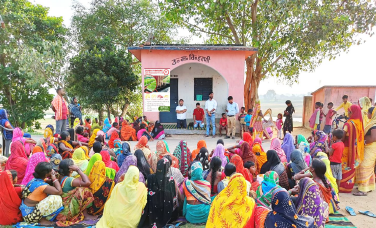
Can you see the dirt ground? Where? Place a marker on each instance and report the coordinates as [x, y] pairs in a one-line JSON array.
[[356, 202]]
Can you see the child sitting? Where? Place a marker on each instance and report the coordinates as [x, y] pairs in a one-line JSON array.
[[115, 127], [17, 187], [335, 155], [223, 124], [80, 135], [279, 124], [250, 165], [229, 170]]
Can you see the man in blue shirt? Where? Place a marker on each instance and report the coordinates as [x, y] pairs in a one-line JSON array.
[[248, 118], [232, 110]]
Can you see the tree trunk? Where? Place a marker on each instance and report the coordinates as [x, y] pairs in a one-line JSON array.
[[252, 82], [124, 110], [100, 115], [23, 125], [108, 112]]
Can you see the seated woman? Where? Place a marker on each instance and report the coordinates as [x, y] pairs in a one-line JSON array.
[[162, 204], [80, 135], [197, 196], [283, 213], [178, 178], [129, 161], [42, 202], [34, 160], [127, 133], [310, 203], [150, 157], [246, 153], [7, 133], [125, 152], [276, 145], [265, 191], [92, 138], [238, 162], [304, 149], [143, 132], [101, 187], [142, 164], [18, 135], [3, 161], [203, 158], [113, 137], [106, 158], [17, 160], [10, 201], [158, 131], [110, 173], [317, 172], [162, 151], [288, 145], [66, 145], [296, 166], [259, 152], [219, 151], [129, 198], [80, 160], [106, 125], [200, 144], [328, 174], [274, 164], [235, 209], [214, 174], [319, 142], [77, 197]]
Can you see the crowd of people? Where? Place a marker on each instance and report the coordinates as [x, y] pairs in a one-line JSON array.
[[90, 174]]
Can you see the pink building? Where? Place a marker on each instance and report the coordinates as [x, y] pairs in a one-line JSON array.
[[195, 71], [334, 94]]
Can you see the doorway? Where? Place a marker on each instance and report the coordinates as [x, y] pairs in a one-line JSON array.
[[170, 117]]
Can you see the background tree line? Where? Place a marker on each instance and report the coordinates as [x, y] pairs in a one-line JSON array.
[[90, 58]]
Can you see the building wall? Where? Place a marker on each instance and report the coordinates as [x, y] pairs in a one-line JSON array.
[[307, 110], [186, 74], [334, 94], [226, 64]]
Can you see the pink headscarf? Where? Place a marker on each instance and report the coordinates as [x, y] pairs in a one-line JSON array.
[[276, 145], [33, 162], [18, 136], [258, 141], [219, 151]]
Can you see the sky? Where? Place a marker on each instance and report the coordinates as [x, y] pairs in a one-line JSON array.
[[356, 67]]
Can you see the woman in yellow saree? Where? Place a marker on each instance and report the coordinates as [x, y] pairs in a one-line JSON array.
[[232, 207], [256, 121], [365, 104], [126, 204], [365, 174]]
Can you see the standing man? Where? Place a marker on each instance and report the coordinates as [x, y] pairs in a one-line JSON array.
[[198, 116], [59, 106], [210, 107], [345, 105], [232, 110], [181, 114]]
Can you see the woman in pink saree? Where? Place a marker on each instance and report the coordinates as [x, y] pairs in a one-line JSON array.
[[28, 143]]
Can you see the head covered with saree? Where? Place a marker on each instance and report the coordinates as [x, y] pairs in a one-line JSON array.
[[265, 190], [297, 161], [200, 144], [232, 207], [238, 162], [219, 151], [284, 213], [273, 162], [17, 160], [246, 153], [128, 197], [197, 186], [79, 159], [247, 138], [162, 151], [96, 157], [126, 151], [107, 125], [276, 145], [129, 161], [92, 138], [183, 154], [33, 162], [9, 200], [288, 145], [365, 104], [357, 120], [142, 163], [106, 158]]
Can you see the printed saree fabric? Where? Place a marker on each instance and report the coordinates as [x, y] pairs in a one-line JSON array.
[[10, 201], [232, 207]]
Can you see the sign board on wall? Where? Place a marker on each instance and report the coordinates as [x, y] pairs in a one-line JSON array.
[[157, 90]]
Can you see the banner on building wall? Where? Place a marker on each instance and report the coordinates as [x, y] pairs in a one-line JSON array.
[[157, 90]]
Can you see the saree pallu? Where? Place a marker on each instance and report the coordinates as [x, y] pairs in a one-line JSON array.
[[74, 202], [260, 215], [196, 213], [365, 174], [48, 208], [348, 160], [100, 197]]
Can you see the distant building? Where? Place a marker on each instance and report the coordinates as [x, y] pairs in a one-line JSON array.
[[195, 70], [334, 94]]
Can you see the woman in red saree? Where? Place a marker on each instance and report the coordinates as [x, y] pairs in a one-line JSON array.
[[10, 201], [114, 136], [353, 153], [17, 160]]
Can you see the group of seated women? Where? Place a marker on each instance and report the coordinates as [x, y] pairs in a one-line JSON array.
[[67, 182]]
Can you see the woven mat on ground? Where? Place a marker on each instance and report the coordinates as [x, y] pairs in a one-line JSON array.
[[339, 220]]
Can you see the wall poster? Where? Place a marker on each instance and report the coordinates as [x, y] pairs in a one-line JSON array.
[[157, 90]]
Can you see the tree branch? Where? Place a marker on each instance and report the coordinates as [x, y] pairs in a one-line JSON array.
[[187, 24], [233, 30]]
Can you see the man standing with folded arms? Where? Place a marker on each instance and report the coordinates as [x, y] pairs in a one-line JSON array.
[[232, 110], [210, 108]]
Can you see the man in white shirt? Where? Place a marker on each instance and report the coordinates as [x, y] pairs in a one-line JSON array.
[[181, 114], [232, 110], [210, 108]]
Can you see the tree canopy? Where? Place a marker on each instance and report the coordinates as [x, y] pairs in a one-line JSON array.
[[24, 81], [291, 36]]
